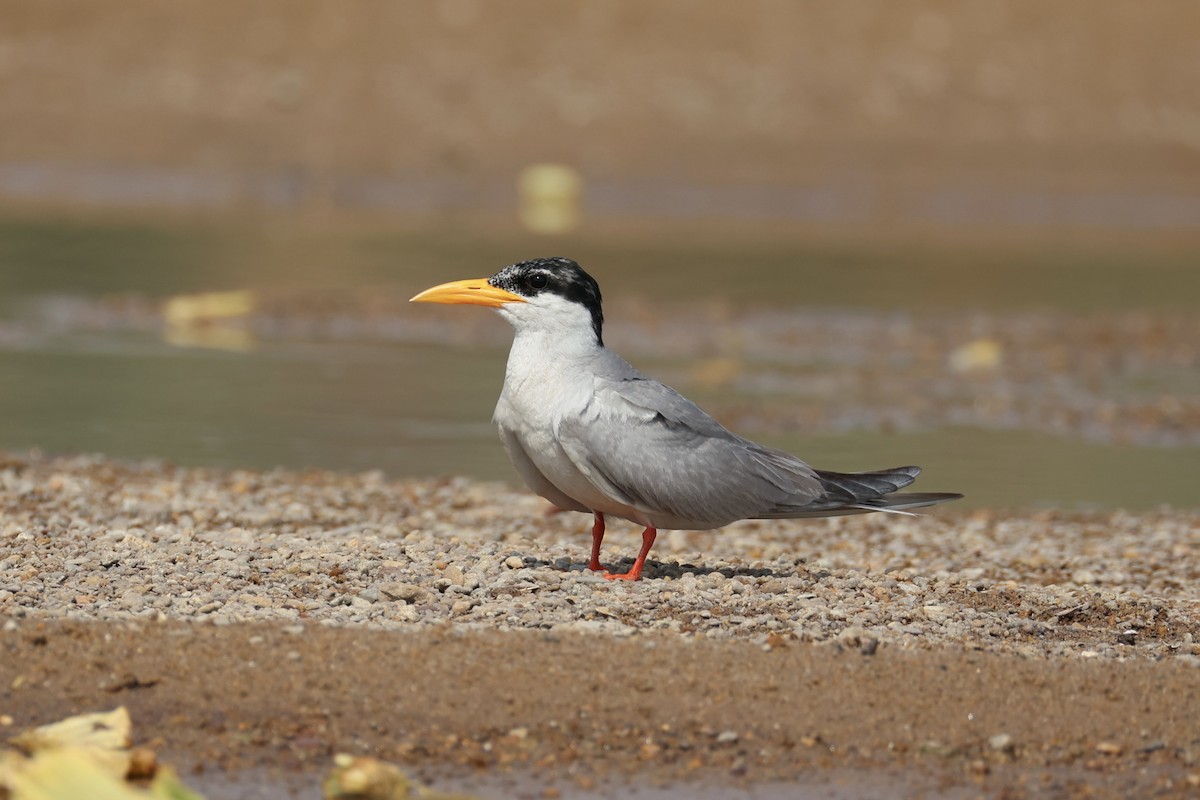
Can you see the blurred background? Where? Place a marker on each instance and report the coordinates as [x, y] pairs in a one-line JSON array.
[[871, 232]]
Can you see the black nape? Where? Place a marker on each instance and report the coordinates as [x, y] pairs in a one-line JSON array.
[[561, 276]]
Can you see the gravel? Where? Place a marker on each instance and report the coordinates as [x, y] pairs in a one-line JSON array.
[[87, 538]]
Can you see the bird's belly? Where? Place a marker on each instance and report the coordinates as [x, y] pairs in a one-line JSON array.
[[554, 464], [552, 461]]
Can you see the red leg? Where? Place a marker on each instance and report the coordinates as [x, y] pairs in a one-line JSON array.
[[597, 538], [635, 572]]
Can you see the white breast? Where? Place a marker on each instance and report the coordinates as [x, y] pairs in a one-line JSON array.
[[544, 386]]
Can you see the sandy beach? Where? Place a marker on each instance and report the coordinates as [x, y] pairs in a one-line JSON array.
[[256, 623]]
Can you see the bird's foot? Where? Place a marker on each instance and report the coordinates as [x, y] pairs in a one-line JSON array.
[[632, 575], [635, 572], [596, 566]]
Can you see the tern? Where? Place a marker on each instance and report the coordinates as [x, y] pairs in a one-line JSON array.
[[589, 432]]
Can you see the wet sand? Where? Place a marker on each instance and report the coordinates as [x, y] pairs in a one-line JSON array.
[[582, 711]]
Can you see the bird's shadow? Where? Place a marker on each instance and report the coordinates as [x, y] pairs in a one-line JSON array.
[[657, 570]]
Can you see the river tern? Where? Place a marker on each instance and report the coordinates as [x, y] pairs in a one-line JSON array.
[[589, 432]]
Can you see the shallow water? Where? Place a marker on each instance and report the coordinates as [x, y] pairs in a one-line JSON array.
[[412, 406], [420, 410]]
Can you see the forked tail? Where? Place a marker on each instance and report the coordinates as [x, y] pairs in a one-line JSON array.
[[876, 491], [862, 492]]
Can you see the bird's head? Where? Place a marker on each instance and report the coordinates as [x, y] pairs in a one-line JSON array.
[[546, 295]]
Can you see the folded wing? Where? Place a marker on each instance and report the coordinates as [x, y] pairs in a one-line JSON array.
[[647, 446]]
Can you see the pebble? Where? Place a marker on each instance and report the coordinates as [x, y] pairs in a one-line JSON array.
[[407, 592], [393, 555], [1001, 742], [462, 606]]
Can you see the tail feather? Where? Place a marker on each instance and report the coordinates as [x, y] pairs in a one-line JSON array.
[[858, 487], [905, 500], [862, 493]]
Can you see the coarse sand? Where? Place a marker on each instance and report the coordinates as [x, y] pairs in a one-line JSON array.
[[257, 623]]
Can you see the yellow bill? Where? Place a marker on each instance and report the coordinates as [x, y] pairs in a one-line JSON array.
[[475, 292]]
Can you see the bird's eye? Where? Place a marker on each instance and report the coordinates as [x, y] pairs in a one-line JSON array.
[[538, 280]]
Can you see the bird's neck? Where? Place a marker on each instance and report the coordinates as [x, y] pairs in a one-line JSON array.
[[550, 353]]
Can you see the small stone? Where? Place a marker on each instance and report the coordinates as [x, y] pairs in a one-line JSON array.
[[1109, 749], [406, 592], [860, 638], [936, 613], [462, 606], [297, 512], [1001, 742], [727, 737], [514, 562], [650, 750]]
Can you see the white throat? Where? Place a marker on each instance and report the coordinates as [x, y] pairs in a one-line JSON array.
[[553, 345], [560, 323]]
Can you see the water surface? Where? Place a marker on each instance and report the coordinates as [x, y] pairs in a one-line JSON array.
[[415, 406]]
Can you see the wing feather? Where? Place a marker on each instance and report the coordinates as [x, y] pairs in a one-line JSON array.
[[651, 448]]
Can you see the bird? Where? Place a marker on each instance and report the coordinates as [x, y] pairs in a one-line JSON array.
[[589, 432]]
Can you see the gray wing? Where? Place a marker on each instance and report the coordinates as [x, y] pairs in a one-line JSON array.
[[652, 448]]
